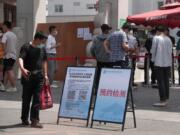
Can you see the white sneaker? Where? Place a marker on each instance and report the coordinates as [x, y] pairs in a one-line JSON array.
[[54, 86], [161, 104], [2, 88], [11, 89]]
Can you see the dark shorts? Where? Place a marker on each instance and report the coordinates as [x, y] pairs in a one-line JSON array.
[[1, 61], [8, 64]]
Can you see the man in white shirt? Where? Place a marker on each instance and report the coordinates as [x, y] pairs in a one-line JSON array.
[[9, 41], [51, 46], [162, 57]]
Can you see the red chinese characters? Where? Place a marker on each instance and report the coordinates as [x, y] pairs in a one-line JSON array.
[[113, 93]]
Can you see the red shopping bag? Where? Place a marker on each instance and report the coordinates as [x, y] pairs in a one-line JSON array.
[[46, 100]]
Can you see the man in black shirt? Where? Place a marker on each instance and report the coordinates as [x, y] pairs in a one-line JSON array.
[[33, 64], [148, 45]]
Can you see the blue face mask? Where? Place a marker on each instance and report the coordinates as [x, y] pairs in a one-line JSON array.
[[40, 46]]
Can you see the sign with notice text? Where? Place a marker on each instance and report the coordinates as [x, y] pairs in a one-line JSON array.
[[77, 92], [112, 95]]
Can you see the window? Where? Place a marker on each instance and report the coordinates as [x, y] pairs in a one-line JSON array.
[[76, 4], [160, 3], [90, 6], [58, 8]]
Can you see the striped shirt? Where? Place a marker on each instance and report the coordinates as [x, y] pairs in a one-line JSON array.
[[116, 40]]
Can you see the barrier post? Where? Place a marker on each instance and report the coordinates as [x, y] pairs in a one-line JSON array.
[[172, 70], [147, 69], [77, 61]]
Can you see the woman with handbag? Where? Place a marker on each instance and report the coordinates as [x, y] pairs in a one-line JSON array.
[[33, 64]]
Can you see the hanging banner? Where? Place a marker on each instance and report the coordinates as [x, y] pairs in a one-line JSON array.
[[112, 94], [76, 98], [121, 22]]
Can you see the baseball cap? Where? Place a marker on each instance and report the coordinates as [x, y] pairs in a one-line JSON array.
[[126, 26], [105, 27], [40, 35]]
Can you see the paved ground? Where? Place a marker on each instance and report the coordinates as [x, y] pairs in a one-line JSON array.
[[150, 120]]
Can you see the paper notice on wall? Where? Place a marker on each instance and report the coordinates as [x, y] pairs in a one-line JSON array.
[[86, 30], [80, 32], [84, 33], [87, 36]]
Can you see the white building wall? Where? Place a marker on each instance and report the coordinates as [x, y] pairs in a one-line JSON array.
[[108, 13], [123, 10], [140, 6], [69, 8], [29, 14], [25, 19], [56, 19], [39, 12]]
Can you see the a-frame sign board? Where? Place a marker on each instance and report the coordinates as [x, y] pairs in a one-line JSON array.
[[112, 97], [77, 93]]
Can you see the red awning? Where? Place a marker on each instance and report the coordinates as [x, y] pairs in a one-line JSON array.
[[168, 17]]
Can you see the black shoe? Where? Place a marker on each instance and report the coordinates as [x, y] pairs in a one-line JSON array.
[[135, 84], [144, 83], [25, 122], [36, 124], [154, 86]]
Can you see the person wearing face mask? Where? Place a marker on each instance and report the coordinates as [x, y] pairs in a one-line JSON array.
[[51, 46], [33, 64], [98, 51], [2, 88]]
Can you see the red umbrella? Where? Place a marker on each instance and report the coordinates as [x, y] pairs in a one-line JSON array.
[[168, 17]]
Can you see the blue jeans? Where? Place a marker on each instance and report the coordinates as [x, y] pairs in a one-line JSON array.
[[51, 67]]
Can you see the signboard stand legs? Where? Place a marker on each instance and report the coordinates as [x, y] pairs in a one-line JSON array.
[[87, 122], [131, 100]]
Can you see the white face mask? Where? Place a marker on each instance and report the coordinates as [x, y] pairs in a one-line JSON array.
[[55, 33]]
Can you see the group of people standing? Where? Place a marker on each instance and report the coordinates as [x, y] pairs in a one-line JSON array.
[[34, 65], [113, 50], [117, 50], [160, 51]]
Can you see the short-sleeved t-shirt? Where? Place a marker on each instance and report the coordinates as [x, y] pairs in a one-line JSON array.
[[116, 40], [33, 57], [132, 41], [51, 41], [10, 41]]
